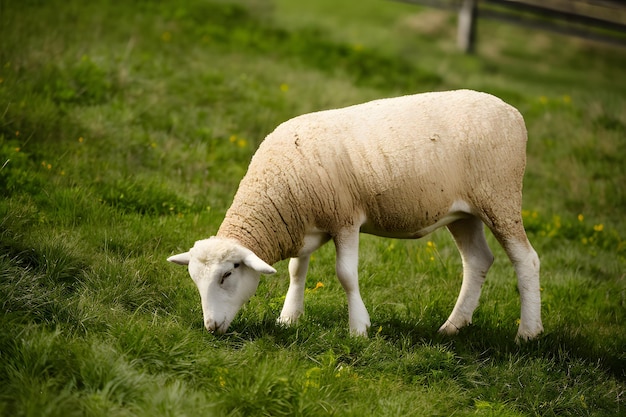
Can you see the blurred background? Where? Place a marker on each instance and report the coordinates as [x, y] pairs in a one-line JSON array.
[[125, 128]]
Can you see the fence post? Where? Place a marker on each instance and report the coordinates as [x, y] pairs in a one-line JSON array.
[[467, 26]]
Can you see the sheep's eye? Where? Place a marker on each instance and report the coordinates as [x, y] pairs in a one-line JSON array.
[[226, 275], [236, 265]]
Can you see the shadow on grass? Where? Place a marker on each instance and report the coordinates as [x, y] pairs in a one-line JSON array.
[[479, 342], [497, 343]]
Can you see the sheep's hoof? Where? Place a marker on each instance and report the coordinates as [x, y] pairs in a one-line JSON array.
[[359, 329], [525, 335], [358, 333], [287, 320], [448, 329]]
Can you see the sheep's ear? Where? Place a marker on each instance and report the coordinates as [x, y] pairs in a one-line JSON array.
[[180, 259], [256, 263]]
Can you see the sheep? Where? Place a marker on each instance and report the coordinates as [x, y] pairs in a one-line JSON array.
[[398, 167]]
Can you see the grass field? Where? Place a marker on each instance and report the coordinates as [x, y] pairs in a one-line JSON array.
[[124, 131]]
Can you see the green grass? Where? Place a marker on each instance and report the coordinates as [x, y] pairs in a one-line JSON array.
[[124, 131]]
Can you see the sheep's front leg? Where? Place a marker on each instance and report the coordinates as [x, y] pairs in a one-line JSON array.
[[347, 245], [294, 300], [298, 266]]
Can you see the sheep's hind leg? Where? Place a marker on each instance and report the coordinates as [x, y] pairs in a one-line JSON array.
[[347, 245], [526, 264], [469, 235]]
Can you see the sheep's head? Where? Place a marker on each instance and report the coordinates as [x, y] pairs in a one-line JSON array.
[[226, 274]]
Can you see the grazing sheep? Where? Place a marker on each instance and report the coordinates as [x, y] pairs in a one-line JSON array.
[[400, 168]]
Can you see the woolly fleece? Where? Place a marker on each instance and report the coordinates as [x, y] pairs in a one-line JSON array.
[[395, 165]]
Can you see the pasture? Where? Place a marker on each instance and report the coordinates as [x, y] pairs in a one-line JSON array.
[[125, 128]]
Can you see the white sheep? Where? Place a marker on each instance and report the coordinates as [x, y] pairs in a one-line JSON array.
[[400, 168]]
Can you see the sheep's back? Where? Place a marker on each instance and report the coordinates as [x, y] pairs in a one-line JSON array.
[[401, 162]]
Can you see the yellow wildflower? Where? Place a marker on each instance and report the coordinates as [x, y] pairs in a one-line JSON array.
[[166, 36], [581, 217], [543, 100], [232, 138], [284, 87], [317, 287], [598, 227], [242, 143], [313, 377], [222, 372], [81, 139]]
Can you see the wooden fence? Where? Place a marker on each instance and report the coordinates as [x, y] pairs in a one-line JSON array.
[[600, 20]]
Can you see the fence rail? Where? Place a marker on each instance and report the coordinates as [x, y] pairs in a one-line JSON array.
[[600, 20]]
